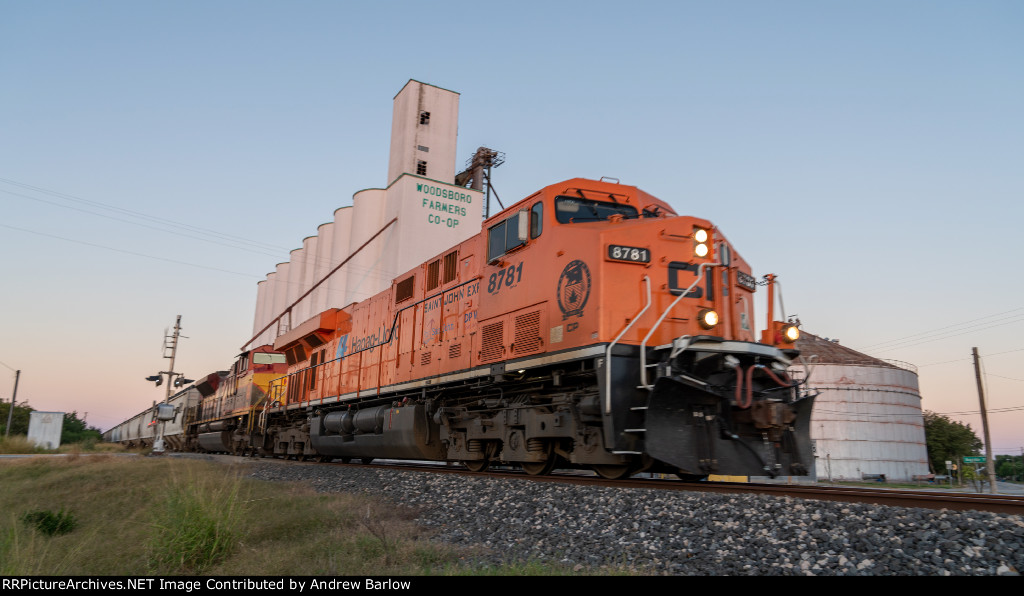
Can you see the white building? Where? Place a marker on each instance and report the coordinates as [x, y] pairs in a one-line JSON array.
[[44, 428], [386, 231]]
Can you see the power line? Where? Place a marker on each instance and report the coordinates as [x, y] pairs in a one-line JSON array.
[[1007, 378], [136, 214], [967, 359], [204, 238], [182, 229], [990, 325], [941, 329], [137, 254]]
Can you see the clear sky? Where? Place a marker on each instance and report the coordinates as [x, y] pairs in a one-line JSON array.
[[160, 158]]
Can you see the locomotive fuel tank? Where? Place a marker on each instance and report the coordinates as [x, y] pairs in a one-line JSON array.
[[395, 432]]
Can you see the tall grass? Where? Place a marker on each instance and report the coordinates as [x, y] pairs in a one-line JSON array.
[[169, 515], [199, 521], [18, 444]]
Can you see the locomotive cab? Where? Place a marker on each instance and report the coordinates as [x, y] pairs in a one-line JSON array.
[[668, 302]]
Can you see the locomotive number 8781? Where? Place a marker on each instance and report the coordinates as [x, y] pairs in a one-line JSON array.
[[586, 326]]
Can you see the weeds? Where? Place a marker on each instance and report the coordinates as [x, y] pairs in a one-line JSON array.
[[198, 524], [377, 526], [50, 523], [19, 444], [167, 516]]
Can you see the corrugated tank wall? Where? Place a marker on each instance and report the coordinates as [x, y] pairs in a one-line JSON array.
[[867, 419]]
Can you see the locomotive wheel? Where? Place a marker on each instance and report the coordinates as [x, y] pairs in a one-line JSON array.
[[346, 460], [540, 468], [476, 465], [613, 472], [691, 477], [367, 460]]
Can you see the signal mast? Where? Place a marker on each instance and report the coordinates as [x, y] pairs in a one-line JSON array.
[[164, 410]]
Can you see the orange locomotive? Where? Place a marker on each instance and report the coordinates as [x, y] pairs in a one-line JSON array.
[[587, 326]]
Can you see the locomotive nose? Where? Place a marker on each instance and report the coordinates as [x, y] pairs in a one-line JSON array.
[[700, 432]]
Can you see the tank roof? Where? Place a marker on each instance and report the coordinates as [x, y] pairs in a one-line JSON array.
[[830, 351]]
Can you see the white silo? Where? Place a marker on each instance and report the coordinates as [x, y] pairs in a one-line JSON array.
[[280, 302], [304, 308], [324, 245], [386, 231], [867, 419], [337, 282]]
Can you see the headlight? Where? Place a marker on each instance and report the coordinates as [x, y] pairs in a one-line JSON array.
[[707, 318], [700, 239], [790, 333]]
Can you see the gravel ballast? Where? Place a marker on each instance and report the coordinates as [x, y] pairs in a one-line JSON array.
[[682, 533]]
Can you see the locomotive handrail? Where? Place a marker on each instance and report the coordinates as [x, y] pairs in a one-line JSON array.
[[390, 332], [608, 351], [643, 344]]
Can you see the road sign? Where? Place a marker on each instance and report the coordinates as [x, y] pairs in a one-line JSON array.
[[974, 459]]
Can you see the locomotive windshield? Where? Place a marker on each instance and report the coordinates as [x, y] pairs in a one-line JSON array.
[[576, 210]]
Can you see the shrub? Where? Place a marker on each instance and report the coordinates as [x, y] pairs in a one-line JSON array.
[[50, 523]]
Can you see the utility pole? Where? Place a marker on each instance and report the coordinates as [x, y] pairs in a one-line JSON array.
[[10, 413], [989, 464], [158, 443], [173, 347]]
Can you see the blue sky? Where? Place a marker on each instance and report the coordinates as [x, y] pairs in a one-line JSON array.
[[159, 158]]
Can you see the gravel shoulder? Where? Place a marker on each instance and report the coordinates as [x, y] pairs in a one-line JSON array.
[[680, 533]]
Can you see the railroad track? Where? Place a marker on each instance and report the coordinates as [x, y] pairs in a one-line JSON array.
[[1011, 504]]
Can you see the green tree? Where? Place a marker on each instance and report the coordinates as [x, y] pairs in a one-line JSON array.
[[1010, 466], [75, 430], [19, 421], [948, 440]]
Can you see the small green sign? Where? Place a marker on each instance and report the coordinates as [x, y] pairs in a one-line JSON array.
[[974, 459]]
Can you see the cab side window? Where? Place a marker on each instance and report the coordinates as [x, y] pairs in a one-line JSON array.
[[536, 220], [504, 236]]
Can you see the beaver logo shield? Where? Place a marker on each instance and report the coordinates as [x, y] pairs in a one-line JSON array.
[[573, 289]]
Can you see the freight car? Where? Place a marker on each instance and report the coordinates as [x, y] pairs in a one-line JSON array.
[[586, 326], [142, 430]]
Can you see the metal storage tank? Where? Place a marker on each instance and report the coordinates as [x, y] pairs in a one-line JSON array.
[[867, 419]]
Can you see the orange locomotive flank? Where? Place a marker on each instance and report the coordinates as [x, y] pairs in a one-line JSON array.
[[561, 288], [586, 326], [578, 319]]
